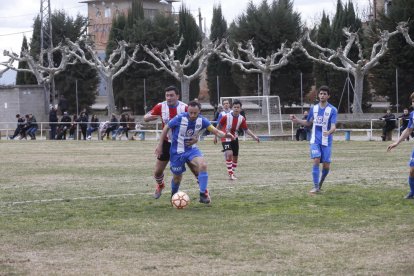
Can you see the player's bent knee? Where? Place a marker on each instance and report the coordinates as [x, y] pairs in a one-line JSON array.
[[203, 167], [177, 178]]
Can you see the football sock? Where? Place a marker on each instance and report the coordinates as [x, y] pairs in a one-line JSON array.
[[174, 187], [324, 174], [203, 181], [229, 165], [234, 166], [315, 175], [159, 179], [411, 182]]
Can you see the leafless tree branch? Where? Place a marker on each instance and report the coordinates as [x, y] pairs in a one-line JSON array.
[[166, 61], [402, 27]]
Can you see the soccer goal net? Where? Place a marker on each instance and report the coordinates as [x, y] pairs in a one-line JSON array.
[[262, 111]]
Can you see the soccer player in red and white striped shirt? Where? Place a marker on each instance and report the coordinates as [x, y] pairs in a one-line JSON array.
[[166, 110], [231, 123]]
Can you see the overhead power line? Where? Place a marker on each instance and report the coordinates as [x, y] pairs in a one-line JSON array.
[[36, 13], [17, 33]]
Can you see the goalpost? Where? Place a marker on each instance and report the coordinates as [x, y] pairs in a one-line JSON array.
[[261, 110]]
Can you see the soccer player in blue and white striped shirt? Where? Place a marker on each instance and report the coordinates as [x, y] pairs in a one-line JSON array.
[[406, 133], [322, 117], [184, 127]]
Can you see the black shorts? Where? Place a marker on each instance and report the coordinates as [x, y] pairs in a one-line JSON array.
[[232, 145], [165, 156]]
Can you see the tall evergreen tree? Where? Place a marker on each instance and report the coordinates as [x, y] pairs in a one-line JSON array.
[[117, 33], [24, 77], [67, 27], [322, 35], [160, 32], [218, 72], [269, 26], [400, 56], [332, 37], [136, 13], [189, 30]]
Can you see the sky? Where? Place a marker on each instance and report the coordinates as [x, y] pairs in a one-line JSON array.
[[17, 16]]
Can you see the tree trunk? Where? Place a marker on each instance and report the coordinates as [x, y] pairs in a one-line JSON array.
[[359, 89], [266, 92], [185, 90], [46, 86], [110, 95], [53, 89], [266, 83]]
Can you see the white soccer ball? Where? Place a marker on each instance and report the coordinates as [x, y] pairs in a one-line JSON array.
[[180, 200]]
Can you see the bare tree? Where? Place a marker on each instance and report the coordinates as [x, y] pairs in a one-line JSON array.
[[117, 63], [165, 60], [257, 64], [44, 74], [7, 65], [358, 69], [402, 27]]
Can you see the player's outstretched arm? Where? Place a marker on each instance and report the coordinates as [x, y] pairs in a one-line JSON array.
[[403, 136], [219, 133], [248, 131], [296, 120], [149, 117]]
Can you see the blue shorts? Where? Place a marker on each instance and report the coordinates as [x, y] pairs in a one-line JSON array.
[[322, 152], [411, 163], [177, 161]]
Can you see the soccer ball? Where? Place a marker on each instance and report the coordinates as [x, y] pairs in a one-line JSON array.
[[180, 200]]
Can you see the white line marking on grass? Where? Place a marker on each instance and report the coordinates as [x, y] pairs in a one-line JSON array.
[[66, 199], [230, 188]]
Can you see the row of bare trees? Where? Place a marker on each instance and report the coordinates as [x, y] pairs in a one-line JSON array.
[[244, 57]]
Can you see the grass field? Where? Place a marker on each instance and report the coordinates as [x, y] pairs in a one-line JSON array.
[[86, 208]]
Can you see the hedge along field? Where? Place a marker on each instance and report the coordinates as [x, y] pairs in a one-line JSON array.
[[69, 207]]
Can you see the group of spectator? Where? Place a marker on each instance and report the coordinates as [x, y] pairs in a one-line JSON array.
[[390, 123], [111, 129], [59, 129], [115, 129], [26, 126]]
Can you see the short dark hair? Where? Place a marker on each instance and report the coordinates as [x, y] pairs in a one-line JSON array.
[[172, 88], [17, 115], [194, 104], [237, 102], [325, 88]]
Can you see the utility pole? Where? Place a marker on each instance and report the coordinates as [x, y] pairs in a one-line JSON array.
[[200, 24], [46, 42], [45, 26]]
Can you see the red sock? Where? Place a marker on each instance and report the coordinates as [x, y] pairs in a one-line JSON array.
[[234, 166], [229, 166]]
